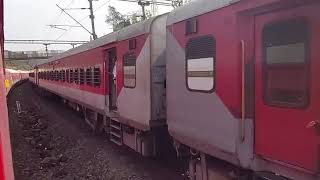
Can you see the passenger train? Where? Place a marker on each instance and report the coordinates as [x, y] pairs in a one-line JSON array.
[[234, 80], [6, 166]]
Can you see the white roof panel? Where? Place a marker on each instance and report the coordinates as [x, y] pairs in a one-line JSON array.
[[196, 8]]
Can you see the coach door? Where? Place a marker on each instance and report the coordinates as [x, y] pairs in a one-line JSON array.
[[287, 86], [111, 70]]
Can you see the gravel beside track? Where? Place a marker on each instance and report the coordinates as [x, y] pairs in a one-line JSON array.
[[51, 141]]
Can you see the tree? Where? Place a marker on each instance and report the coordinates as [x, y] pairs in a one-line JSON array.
[[116, 19], [119, 21]]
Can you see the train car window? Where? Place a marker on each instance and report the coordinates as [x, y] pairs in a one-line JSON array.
[[56, 75], [71, 76], [31, 74], [285, 64], [96, 77], [59, 75], [129, 70], [67, 76], [89, 76], [63, 75], [200, 65], [76, 76], [81, 75], [51, 76]]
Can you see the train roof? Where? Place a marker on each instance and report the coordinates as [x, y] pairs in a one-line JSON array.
[[196, 8], [123, 34]]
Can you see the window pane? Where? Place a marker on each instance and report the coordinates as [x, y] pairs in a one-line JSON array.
[[290, 53], [129, 71], [286, 68], [200, 54], [200, 74]]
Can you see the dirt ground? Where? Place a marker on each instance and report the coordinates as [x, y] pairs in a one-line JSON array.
[[51, 141]]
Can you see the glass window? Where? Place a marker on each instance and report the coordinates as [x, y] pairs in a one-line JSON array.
[[285, 70], [89, 76], [67, 76], [96, 77], [200, 63], [76, 76], [129, 70], [71, 76], [56, 75], [81, 80]]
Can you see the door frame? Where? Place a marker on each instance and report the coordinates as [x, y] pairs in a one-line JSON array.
[[261, 70]]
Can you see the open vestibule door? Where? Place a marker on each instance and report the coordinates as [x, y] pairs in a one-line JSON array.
[[111, 57]]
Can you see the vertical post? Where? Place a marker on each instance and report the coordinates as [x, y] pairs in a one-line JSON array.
[[143, 12], [143, 4], [204, 169], [47, 53], [92, 20], [243, 92]]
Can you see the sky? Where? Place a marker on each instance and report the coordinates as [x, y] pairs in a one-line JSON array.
[[28, 19]]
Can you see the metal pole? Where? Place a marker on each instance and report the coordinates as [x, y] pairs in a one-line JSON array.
[[143, 12], [92, 20], [143, 4], [47, 53]]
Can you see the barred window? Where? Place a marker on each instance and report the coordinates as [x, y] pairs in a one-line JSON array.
[[56, 75], [67, 76], [89, 76], [96, 77], [63, 75], [76, 76], [52, 76], [129, 70], [71, 76], [81, 80], [200, 63]]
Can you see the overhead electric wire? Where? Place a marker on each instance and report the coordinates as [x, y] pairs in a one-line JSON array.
[[149, 1]]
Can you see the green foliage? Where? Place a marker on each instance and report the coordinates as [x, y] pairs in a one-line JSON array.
[[119, 21], [116, 19]]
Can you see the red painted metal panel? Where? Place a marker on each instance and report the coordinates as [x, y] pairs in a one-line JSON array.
[[91, 58], [222, 25], [280, 132], [6, 169]]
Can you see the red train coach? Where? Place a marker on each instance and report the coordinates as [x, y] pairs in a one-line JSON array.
[[118, 82], [6, 168], [242, 84]]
